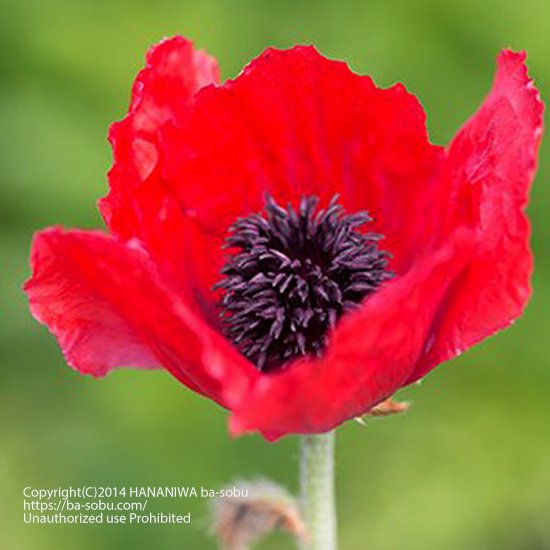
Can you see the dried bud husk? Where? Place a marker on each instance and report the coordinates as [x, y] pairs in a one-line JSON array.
[[385, 408], [239, 522]]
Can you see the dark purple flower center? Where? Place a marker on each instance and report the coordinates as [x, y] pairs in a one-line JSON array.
[[296, 272]]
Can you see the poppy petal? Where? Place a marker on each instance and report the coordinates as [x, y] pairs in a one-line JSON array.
[[489, 169], [370, 355], [293, 123], [139, 203], [162, 92], [108, 307]]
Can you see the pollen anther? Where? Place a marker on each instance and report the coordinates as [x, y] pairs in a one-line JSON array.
[[293, 275]]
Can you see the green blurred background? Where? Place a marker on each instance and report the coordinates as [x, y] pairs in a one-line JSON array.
[[467, 468]]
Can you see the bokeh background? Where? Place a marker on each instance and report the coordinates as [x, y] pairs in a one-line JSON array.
[[467, 467]]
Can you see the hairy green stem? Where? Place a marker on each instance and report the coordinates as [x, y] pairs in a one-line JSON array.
[[317, 490]]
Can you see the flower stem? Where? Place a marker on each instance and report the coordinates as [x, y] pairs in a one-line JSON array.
[[317, 490]]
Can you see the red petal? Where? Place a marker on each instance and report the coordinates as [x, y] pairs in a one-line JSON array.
[[489, 168], [139, 203], [162, 92], [371, 353], [108, 307], [297, 123]]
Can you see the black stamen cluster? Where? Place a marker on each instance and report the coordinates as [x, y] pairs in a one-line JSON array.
[[296, 273]]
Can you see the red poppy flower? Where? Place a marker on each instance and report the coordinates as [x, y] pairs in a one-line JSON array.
[[393, 255]]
